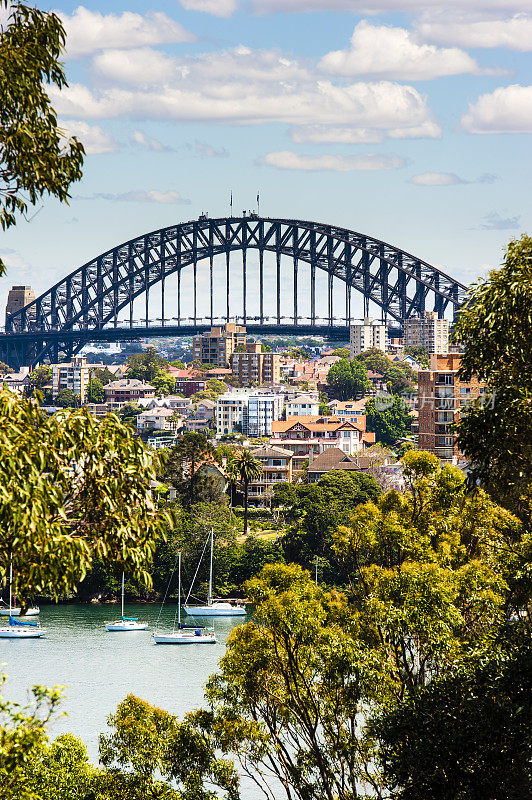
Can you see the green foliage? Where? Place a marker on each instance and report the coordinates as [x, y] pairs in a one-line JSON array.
[[348, 380], [61, 771], [299, 353], [192, 450], [38, 379], [75, 490], [128, 413], [421, 354], [22, 740], [95, 393], [146, 366], [67, 399], [467, 735], [265, 348], [399, 376], [324, 404], [163, 382], [104, 375], [317, 509], [5, 368], [343, 352], [496, 330], [389, 424], [35, 157], [243, 468]]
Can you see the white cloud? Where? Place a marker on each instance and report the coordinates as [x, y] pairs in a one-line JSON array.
[[386, 52], [90, 31], [514, 33], [140, 196], [93, 137], [242, 87], [401, 6], [495, 222], [140, 139], [208, 151], [219, 8], [287, 159], [323, 134], [436, 179], [506, 110]]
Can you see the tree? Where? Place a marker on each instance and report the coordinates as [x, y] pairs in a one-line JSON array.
[[163, 382], [466, 735], [421, 354], [61, 770], [95, 393], [146, 366], [244, 468], [324, 407], [67, 399], [192, 450], [129, 412], [388, 424], [348, 380], [104, 375], [38, 379], [76, 490], [398, 375], [343, 352], [5, 368], [35, 157], [495, 327]]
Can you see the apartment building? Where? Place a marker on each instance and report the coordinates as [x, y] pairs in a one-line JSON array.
[[428, 332], [74, 375], [276, 468], [263, 410], [303, 405], [253, 367], [127, 390], [217, 345], [231, 411], [307, 437], [365, 336], [441, 395]]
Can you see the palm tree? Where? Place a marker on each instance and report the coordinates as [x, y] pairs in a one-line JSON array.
[[245, 468]]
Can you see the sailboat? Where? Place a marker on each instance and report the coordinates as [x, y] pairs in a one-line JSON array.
[[16, 611], [214, 608], [126, 623], [16, 629], [185, 634]]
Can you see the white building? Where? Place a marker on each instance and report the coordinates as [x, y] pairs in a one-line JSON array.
[[159, 419], [365, 336], [429, 332], [74, 375], [263, 409], [231, 411], [303, 405]]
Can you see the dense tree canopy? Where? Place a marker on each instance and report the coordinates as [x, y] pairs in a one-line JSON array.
[[181, 469], [348, 380], [35, 156], [496, 330], [398, 375], [388, 418]]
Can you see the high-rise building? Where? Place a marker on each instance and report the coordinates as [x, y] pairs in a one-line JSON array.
[[441, 396], [428, 332], [17, 298], [217, 345], [74, 375], [263, 409], [363, 337], [232, 411], [253, 367]]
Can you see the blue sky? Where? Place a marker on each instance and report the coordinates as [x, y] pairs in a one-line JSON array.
[[409, 125]]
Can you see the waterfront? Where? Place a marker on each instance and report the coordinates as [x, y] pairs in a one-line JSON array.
[[100, 668]]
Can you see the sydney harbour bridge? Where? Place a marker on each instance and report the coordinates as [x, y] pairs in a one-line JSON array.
[[303, 269]]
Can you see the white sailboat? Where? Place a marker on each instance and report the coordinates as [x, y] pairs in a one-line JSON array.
[[16, 612], [125, 623], [215, 608], [17, 629], [185, 634]]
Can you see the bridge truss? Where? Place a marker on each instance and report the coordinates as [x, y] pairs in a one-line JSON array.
[[85, 306]]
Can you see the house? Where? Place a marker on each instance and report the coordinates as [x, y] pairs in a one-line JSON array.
[[276, 468], [205, 408], [159, 419], [16, 381], [307, 437], [303, 405], [348, 409], [377, 381], [127, 390], [334, 458]]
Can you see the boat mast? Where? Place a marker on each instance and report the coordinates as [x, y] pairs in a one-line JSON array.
[[122, 595], [179, 592], [209, 597], [316, 570], [10, 579]]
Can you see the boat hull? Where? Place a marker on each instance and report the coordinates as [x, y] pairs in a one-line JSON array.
[[119, 626], [184, 638], [225, 610], [15, 612], [14, 633]]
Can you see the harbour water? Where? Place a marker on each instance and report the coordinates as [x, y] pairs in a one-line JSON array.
[[99, 668]]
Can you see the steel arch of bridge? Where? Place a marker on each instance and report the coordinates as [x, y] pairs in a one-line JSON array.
[[90, 298]]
